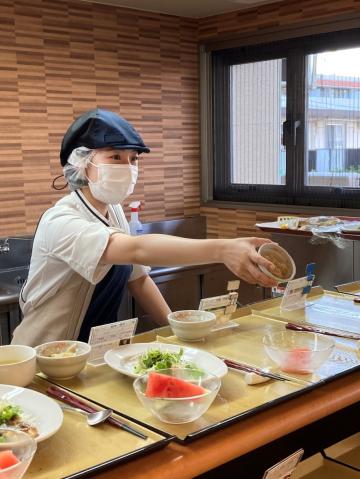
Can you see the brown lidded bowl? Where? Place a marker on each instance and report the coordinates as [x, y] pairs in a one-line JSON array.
[[285, 268]]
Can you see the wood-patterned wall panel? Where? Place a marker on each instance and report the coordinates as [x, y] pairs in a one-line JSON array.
[[232, 223], [61, 58], [280, 14]]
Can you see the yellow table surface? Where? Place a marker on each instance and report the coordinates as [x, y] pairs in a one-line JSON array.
[[243, 343], [77, 447], [114, 390], [323, 308]]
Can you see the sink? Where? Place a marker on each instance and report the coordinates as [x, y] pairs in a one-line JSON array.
[[11, 282], [6, 290]]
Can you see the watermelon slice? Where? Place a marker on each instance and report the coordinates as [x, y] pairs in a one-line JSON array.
[[298, 361], [7, 459], [164, 386]]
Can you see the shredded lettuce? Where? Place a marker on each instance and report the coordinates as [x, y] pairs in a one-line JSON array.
[[154, 359]]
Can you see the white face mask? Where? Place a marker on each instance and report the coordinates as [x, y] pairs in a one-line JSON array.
[[114, 183]]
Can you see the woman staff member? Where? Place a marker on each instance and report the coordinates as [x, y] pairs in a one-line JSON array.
[[83, 256]]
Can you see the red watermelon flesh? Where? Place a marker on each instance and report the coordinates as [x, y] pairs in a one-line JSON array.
[[298, 360], [7, 459], [164, 386]]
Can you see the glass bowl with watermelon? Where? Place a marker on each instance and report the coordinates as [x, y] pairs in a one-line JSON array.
[[16, 452], [298, 352], [177, 395]]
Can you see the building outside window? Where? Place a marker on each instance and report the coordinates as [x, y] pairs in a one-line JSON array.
[[286, 121]]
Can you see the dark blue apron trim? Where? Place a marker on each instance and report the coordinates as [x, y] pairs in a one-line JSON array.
[[91, 209], [106, 299]]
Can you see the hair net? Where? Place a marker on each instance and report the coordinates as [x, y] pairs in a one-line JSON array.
[[74, 170]]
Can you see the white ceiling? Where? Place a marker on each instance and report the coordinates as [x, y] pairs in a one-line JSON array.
[[186, 8]]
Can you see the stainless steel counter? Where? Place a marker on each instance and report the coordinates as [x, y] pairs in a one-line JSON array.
[[334, 265]]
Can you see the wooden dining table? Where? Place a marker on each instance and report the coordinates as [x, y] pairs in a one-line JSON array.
[[178, 461], [324, 414]]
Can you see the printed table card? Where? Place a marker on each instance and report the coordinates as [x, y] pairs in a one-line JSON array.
[[222, 306], [296, 292], [109, 336], [284, 468]]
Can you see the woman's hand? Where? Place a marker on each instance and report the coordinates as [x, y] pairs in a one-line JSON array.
[[241, 257]]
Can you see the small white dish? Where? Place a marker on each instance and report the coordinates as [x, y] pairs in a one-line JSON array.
[[191, 324]]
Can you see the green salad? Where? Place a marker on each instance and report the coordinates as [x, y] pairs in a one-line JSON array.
[[156, 359], [8, 412]]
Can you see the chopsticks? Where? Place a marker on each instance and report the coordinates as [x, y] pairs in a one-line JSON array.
[[327, 331], [252, 369], [68, 398]]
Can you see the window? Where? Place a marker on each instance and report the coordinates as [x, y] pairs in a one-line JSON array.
[[257, 106], [286, 121]]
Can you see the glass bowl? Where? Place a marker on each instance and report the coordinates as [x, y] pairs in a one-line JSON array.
[[285, 268], [298, 352], [22, 446], [191, 324], [179, 410]]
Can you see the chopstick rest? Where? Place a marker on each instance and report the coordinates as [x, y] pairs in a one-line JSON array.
[[251, 379]]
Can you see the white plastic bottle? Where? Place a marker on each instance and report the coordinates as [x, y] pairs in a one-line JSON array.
[[136, 227]]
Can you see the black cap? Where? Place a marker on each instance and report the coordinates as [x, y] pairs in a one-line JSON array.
[[100, 129]]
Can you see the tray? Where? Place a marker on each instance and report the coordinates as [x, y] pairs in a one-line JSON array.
[[346, 452], [78, 450], [322, 308], [352, 288], [273, 227], [244, 344], [344, 231], [236, 399]]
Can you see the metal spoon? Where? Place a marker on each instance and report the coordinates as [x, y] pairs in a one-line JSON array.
[[92, 418]]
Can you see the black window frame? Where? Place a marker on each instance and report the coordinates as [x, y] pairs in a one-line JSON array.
[[295, 192]]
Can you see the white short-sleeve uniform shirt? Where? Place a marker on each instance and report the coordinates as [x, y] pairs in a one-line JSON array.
[[65, 267]]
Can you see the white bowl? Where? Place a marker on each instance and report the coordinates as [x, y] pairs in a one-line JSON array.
[[62, 367], [283, 262], [17, 364], [191, 324]]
